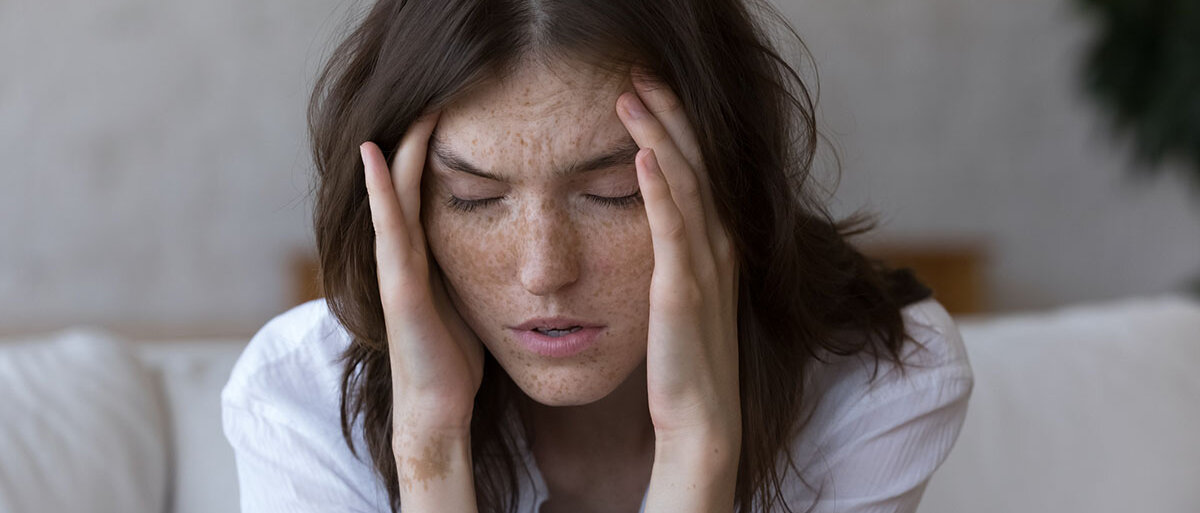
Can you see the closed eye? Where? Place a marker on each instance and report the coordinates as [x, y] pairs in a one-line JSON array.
[[463, 205]]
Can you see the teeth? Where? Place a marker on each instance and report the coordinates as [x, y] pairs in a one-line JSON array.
[[557, 333]]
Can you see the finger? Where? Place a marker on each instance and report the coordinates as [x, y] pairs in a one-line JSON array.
[[407, 167], [393, 252], [667, 230], [684, 188], [665, 105], [660, 100]]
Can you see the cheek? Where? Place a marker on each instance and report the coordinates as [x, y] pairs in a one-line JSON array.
[[624, 262], [470, 254]]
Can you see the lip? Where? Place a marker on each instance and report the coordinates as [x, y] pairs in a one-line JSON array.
[[555, 322], [558, 347]]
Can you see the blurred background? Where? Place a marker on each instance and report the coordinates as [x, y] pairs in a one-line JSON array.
[[156, 172], [1037, 163]]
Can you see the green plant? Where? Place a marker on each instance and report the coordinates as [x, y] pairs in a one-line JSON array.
[[1143, 68]]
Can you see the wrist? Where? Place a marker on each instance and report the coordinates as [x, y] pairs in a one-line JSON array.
[[693, 474], [724, 437], [410, 438], [434, 469], [702, 450], [425, 421]]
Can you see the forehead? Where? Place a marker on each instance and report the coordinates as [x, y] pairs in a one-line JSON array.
[[540, 107]]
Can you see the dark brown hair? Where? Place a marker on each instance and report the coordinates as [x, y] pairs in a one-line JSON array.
[[801, 284]]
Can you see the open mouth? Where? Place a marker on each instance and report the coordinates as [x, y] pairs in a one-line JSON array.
[[559, 342]]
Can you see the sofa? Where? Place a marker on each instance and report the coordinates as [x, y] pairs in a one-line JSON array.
[[1087, 408]]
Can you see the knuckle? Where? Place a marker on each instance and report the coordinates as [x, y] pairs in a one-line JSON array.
[[706, 272], [404, 291], [689, 189], [691, 294], [384, 227], [664, 100], [724, 251], [660, 139], [675, 231], [691, 151], [684, 295]]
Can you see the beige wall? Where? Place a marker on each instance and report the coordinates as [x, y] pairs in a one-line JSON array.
[[963, 119], [155, 170]]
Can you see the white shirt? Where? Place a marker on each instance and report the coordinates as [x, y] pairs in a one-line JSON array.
[[871, 447]]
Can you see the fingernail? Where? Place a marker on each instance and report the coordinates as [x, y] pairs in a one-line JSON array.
[[362, 153], [634, 107]]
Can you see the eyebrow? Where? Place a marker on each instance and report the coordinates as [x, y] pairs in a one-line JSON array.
[[621, 153]]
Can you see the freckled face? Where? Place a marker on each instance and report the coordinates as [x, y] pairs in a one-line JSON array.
[[545, 246]]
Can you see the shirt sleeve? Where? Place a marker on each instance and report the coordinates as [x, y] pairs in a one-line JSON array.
[[280, 411], [880, 459], [285, 469]]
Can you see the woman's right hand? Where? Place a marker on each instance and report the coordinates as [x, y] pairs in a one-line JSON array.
[[436, 359]]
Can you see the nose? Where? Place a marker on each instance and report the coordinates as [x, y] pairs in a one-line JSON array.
[[550, 258]]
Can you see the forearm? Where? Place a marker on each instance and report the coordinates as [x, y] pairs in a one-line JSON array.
[[434, 470], [693, 476]]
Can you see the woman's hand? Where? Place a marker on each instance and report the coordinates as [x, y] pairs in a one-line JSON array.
[[436, 359], [692, 353]]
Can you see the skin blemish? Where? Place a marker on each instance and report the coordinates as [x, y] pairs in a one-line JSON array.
[[434, 463]]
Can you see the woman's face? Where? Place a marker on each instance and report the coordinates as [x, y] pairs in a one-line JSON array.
[[547, 247]]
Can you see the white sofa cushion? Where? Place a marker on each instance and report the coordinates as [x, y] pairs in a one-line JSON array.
[[191, 374], [82, 427], [1087, 408]]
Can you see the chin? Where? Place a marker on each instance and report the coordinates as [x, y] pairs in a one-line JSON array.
[[583, 379], [574, 382], [564, 386]]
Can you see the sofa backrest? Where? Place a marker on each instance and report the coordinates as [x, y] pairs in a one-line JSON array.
[[1090, 408], [191, 375], [82, 427]]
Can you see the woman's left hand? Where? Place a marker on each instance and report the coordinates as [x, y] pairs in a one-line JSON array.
[[692, 347]]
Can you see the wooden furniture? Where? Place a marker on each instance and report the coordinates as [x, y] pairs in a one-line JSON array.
[[953, 269], [305, 281]]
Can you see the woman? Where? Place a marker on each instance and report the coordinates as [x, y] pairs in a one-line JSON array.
[[576, 266]]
